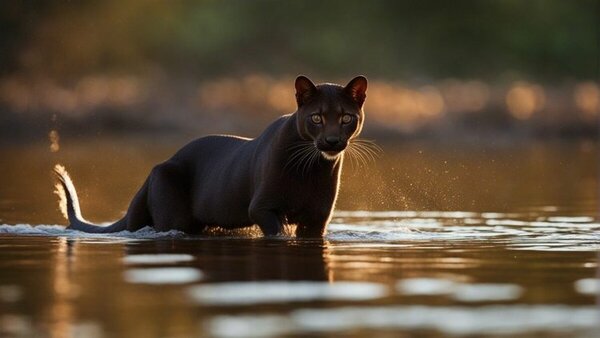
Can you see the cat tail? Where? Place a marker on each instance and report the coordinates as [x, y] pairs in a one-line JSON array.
[[69, 206]]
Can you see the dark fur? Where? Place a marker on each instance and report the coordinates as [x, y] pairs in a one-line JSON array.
[[280, 177]]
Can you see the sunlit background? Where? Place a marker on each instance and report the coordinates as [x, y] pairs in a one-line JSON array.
[[478, 218], [437, 68]]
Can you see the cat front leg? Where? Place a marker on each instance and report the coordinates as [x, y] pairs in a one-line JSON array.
[[313, 225], [313, 230], [266, 218]]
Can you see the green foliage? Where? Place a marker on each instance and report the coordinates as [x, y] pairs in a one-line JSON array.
[[549, 40]]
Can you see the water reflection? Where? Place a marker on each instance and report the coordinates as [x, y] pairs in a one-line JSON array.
[[161, 276], [60, 312], [251, 293], [193, 285], [485, 321], [464, 292], [240, 259], [588, 286], [521, 260], [157, 258]]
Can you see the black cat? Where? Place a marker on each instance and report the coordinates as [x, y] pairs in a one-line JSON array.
[[288, 175]]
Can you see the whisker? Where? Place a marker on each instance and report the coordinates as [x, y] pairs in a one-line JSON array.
[[309, 162], [303, 155], [369, 144], [299, 145], [303, 163], [367, 153], [372, 152], [350, 153], [364, 151], [357, 156], [353, 156], [364, 161], [296, 156], [315, 157]]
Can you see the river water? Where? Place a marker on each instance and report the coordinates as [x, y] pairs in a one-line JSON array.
[[430, 239]]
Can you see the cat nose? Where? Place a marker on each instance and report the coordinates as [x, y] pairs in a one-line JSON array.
[[332, 140]]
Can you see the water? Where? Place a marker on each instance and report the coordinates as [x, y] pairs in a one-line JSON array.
[[429, 241]]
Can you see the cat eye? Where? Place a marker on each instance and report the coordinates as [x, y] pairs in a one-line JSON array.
[[347, 119], [316, 118]]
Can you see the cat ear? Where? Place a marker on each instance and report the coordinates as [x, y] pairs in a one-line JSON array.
[[357, 89], [305, 88]]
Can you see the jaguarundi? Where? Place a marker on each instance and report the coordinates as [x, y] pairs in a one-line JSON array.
[[290, 174]]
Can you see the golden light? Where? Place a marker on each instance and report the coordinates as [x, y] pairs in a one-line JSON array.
[[403, 107], [524, 99], [395, 104], [430, 102], [465, 97], [587, 99], [280, 98], [478, 95], [255, 87]]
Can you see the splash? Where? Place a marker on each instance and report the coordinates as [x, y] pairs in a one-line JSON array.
[[514, 231], [54, 138]]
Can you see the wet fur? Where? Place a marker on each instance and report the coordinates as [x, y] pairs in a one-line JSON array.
[[284, 176]]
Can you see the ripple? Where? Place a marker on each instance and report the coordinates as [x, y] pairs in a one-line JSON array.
[[464, 292], [487, 292], [163, 275], [404, 214], [375, 214], [59, 230], [425, 286], [414, 231], [588, 286], [571, 219], [483, 320], [515, 231], [157, 258], [249, 293]]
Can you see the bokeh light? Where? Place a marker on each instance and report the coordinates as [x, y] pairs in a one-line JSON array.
[[587, 99], [524, 99]]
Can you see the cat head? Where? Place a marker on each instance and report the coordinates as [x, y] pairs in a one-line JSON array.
[[330, 115]]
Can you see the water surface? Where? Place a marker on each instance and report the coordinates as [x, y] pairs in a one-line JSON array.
[[428, 241]]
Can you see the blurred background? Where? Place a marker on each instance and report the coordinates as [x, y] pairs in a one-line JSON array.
[[461, 93], [481, 106]]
